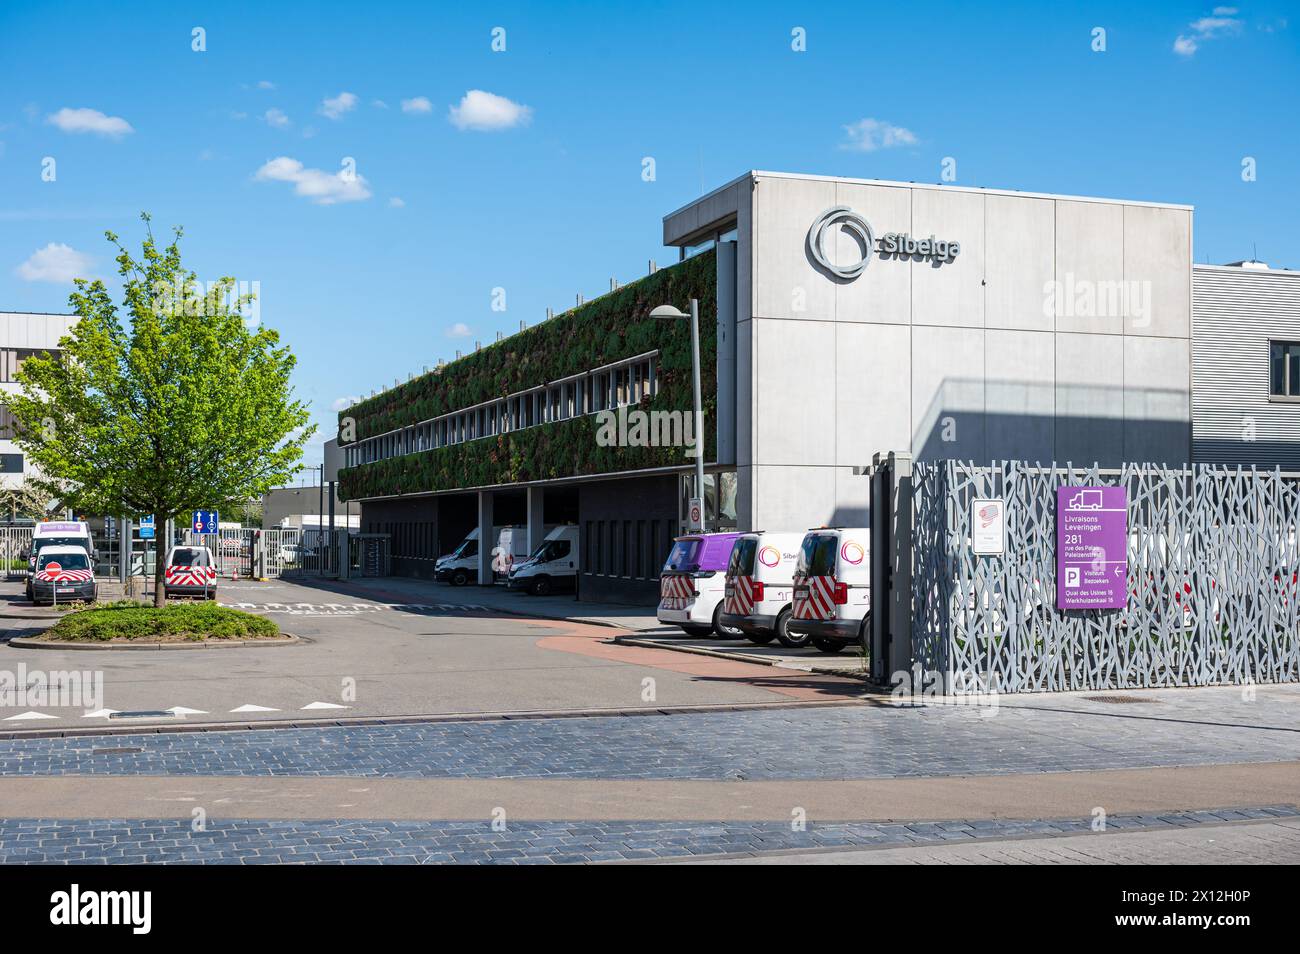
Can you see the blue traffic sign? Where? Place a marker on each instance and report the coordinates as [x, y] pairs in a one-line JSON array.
[[205, 521], [146, 527]]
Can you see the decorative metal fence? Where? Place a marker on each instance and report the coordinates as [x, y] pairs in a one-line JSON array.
[[1213, 580]]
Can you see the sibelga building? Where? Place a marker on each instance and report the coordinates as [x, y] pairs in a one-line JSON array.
[[839, 318]]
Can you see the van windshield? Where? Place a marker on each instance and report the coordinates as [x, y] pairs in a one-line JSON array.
[[742, 557], [817, 555], [468, 548], [66, 561], [551, 550], [685, 555], [189, 557]]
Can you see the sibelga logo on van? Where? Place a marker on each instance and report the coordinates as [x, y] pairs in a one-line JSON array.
[[769, 556], [890, 245], [852, 553]]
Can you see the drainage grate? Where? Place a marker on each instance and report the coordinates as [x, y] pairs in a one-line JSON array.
[[143, 714], [1119, 699]]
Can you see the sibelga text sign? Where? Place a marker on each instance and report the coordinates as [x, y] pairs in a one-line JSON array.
[[1091, 548], [891, 244]]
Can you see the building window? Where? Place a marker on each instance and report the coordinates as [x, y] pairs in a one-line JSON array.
[[1284, 369]]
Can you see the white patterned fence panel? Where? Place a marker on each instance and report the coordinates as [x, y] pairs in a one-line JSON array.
[[1213, 580]]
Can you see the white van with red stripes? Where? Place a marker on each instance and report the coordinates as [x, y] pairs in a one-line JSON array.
[[190, 571], [760, 587], [832, 588], [692, 583]]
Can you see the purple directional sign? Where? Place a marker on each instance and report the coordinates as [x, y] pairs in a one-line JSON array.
[[1091, 548]]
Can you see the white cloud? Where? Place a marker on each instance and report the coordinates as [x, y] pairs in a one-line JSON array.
[[323, 188], [868, 135], [89, 121], [397, 202], [265, 84], [343, 403], [459, 330], [340, 104], [378, 104], [1222, 23], [419, 104], [488, 112], [276, 118], [55, 263]]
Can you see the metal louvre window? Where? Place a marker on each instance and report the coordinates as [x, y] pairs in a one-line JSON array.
[[1284, 369]]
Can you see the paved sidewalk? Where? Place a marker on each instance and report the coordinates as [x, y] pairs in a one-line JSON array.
[[1246, 843], [563, 606]]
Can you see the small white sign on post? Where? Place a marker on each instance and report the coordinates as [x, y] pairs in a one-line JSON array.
[[695, 514], [988, 525]]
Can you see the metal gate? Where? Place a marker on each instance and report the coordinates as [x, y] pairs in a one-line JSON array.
[[15, 543], [232, 550]]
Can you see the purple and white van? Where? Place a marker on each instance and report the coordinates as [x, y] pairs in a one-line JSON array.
[[693, 583]]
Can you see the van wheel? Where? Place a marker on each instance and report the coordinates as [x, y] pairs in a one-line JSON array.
[[459, 578], [724, 632], [541, 586], [828, 645], [784, 636]]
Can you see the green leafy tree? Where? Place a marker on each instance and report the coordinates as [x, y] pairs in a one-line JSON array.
[[177, 408]]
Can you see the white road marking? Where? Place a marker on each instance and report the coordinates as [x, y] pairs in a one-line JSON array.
[[29, 716], [324, 705], [249, 707], [182, 711]]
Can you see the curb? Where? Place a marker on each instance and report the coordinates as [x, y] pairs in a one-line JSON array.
[[741, 657], [451, 717], [31, 642]]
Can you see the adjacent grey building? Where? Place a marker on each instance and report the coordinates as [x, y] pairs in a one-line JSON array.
[[1246, 365], [22, 334]]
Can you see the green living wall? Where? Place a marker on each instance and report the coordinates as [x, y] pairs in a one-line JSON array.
[[613, 327]]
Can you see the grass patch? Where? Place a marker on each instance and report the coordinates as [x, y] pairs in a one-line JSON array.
[[129, 621]]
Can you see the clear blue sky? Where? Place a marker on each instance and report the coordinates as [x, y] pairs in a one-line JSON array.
[[373, 286]]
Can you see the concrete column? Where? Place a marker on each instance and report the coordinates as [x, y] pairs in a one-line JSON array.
[[536, 513], [486, 538], [891, 566]]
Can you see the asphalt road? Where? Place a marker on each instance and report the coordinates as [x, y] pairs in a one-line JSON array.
[[367, 657]]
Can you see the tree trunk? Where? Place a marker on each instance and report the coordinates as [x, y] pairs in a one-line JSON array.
[[159, 562]]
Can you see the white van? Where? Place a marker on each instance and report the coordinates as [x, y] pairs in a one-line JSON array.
[[760, 587], [552, 566], [460, 566], [832, 588], [58, 533], [190, 571], [692, 582]]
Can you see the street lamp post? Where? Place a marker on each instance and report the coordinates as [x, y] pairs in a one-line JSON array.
[[668, 311]]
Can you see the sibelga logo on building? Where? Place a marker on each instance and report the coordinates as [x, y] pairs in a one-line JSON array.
[[890, 245]]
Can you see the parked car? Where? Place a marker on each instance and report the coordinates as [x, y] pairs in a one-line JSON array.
[[63, 574], [692, 583], [190, 571], [759, 590], [58, 533], [552, 566], [832, 588]]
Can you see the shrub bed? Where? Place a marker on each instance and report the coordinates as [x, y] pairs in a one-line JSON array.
[[129, 621]]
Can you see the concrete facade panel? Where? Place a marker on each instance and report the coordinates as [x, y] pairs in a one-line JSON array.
[[1019, 262], [949, 293]]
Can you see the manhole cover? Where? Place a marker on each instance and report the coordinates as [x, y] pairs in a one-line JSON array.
[[1119, 699]]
